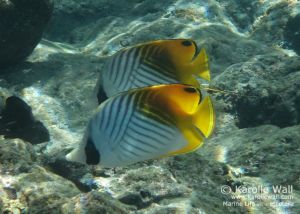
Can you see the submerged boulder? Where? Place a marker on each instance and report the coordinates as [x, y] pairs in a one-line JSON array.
[[263, 156], [22, 23], [16, 156], [48, 192]]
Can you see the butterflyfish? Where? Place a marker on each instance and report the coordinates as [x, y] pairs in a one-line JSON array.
[[146, 123], [153, 63]]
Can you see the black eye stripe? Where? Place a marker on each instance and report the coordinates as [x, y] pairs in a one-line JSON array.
[[190, 89], [186, 43], [92, 154], [193, 90]]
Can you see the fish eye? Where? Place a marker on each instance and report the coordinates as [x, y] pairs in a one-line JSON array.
[[190, 89], [186, 43]]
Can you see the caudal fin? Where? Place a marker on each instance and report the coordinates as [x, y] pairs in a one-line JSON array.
[[200, 65], [204, 117]]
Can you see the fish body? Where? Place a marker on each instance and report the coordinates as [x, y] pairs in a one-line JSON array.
[[153, 63], [146, 123]]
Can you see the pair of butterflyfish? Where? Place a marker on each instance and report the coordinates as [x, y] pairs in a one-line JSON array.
[[153, 63], [155, 107]]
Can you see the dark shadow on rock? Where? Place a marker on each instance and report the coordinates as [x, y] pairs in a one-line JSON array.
[[268, 110], [292, 33], [265, 91], [17, 121], [141, 199], [71, 171], [25, 74]]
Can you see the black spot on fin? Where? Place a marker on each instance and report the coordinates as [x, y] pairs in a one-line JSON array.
[[92, 154], [101, 95]]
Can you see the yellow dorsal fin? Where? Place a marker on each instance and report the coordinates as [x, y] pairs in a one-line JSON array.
[[200, 65], [194, 139], [204, 117]]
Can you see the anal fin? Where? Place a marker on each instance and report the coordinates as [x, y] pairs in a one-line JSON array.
[[194, 141]]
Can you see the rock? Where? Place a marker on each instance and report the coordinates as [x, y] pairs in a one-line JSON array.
[[2, 103], [261, 147], [205, 177], [71, 17], [264, 156], [47, 193], [242, 13], [274, 15], [27, 187], [74, 172], [143, 186], [170, 209], [17, 121], [226, 48], [16, 156], [21, 26], [95, 202], [263, 90]]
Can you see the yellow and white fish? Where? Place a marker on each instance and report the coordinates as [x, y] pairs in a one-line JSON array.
[[146, 123], [153, 63]]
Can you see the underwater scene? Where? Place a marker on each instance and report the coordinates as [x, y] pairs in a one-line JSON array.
[[149, 107]]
